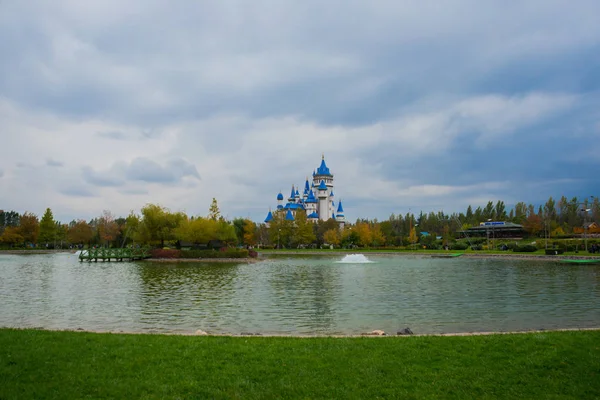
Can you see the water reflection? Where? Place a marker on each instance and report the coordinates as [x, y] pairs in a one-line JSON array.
[[298, 295]]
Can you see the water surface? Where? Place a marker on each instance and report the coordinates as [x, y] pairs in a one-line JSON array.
[[298, 295]]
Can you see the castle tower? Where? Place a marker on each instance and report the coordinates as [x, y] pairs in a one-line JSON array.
[[339, 216], [323, 206], [280, 201]]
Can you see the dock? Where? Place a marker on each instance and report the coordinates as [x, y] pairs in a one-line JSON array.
[[114, 254]]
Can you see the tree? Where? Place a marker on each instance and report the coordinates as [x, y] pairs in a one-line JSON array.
[[249, 233], [158, 224], [80, 233], [11, 236], [238, 225], [107, 227], [29, 227], [197, 230], [224, 231], [332, 236], [412, 238], [47, 228], [303, 232], [377, 237], [61, 233], [213, 212], [533, 224], [364, 234]]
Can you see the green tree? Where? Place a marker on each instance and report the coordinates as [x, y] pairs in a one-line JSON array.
[[197, 230], [158, 224], [213, 212], [47, 228]]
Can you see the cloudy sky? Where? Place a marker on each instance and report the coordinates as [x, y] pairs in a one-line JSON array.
[[416, 105]]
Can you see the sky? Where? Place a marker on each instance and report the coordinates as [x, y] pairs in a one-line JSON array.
[[416, 105]]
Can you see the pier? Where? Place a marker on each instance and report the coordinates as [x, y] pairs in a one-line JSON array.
[[114, 254]]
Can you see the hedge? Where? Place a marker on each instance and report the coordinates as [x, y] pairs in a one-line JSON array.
[[223, 253]]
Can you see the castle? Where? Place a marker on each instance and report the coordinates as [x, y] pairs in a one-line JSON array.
[[317, 200]]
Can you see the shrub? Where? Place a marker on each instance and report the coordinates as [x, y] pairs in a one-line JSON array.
[[222, 253], [459, 246], [477, 247], [165, 253], [527, 248]]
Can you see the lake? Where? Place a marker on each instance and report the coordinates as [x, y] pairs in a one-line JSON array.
[[298, 295]]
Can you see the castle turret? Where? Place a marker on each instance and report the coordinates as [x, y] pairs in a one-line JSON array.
[[269, 218], [280, 201], [323, 201], [339, 215]]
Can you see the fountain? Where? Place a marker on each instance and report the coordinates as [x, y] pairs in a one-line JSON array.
[[354, 259]]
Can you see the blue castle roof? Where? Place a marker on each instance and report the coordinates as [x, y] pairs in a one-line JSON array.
[[323, 170], [294, 206], [331, 194], [313, 215], [322, 185], [279, 207], [306, 186], [340, 209], [297, 193], [280, 196], [269, 217], [311, 198], [289, 216], [293, 193]]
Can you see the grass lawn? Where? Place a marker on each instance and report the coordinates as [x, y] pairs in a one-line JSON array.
[[65, 365]]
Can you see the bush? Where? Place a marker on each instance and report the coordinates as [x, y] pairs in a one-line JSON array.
[[165, 253], [477, 247], [222, 253], [459, 246], [527, 248]]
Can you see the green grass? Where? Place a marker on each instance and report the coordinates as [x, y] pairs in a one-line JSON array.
[[61, 365]]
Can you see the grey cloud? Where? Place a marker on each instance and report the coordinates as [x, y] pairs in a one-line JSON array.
[[116, 135], [1, 173], [76, 191], [53, 163], [146, 170], [133, 191], [143, 170], [104, 179]]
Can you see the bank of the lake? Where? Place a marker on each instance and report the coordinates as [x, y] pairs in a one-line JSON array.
[[202, 260], [430, 253], [45, 364]]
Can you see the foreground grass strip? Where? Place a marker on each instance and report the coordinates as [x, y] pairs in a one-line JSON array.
[[44, 364]]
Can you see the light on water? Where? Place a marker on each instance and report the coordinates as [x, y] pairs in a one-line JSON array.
[[355, 259], [301, 295]]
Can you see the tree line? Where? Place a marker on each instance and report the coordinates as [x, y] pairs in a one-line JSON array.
[[158, 226]]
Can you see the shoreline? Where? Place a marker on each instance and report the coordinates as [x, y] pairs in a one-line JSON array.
[[266, 255], [199, 260], [304, 336], [430, 255]]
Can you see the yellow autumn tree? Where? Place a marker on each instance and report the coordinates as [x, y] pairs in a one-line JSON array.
[[332, 236], [249, 233], [365, 236]]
